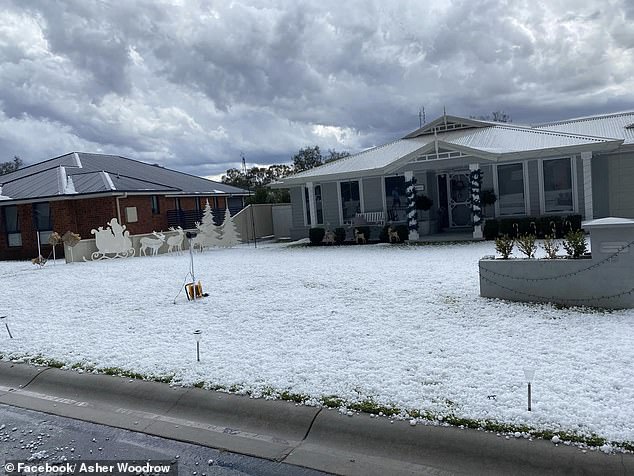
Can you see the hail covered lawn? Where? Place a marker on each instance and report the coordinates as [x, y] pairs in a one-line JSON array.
[[396, 325]]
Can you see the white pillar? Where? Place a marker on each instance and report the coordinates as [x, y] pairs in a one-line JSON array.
[[475, 206], [586, 160], [412, 219], [312, 205]]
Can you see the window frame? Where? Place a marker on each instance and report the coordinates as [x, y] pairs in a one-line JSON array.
[[12, 232], [496, 188], [156, 207], [319, 202], [573, 185], [340, 198]]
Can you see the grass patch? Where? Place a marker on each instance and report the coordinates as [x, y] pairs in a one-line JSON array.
[[331, 401], [293, 397], [367, 405]]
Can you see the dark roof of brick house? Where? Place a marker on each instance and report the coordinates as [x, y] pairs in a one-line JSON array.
[[80, 173]]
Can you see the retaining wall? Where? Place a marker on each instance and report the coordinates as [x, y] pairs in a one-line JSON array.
[[605, 279]]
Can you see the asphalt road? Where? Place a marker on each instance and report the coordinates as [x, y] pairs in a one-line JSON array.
[[28, 434]]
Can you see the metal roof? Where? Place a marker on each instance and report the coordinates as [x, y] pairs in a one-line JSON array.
[[100, 173], [605, 125], [485, 140]]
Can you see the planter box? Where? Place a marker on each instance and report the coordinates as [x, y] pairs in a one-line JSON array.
[[605, 279]]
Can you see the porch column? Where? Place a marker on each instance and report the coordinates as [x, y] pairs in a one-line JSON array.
[[586, 160], [412, 219], [312, 205], [475, 181]]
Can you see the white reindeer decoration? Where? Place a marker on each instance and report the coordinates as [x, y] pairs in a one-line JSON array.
[[175, 242], [153, 243]]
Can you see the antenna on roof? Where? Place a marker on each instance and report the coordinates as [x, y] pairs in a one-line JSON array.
[[444, 115], [421, 117]]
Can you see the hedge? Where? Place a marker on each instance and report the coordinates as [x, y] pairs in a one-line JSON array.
[[539, 226]]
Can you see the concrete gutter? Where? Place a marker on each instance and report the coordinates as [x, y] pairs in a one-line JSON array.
[[289, 433]]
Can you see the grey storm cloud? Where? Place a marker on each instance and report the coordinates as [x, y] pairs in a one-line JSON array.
[[194, 84]]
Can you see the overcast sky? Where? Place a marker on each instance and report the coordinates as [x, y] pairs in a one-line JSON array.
[[193, 84]]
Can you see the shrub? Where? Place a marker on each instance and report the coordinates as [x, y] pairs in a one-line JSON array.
[[504, 246], [538, 226], [383, 238], [316, 235], [403, 232], [490, 230], [526, 244], [550, 247], [340, 235], [423, 202], [575, 243], [488, 197]]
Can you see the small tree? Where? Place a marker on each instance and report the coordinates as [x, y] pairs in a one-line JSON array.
[[575, 244], [334, 155], [526, 244], [11, 166], [550, 246], [504, 246], [307, 158]]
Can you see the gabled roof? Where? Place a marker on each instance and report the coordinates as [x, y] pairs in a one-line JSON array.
[[484, 140], [619, 125], [80, 173], [447, 124]]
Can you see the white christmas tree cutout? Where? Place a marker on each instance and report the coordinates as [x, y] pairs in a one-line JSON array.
[[210, 235]]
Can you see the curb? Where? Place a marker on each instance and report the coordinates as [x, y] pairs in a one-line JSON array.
[[285, 432]]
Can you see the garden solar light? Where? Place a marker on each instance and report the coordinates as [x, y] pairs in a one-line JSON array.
[[529, 373], [197, 334], [6, 324]]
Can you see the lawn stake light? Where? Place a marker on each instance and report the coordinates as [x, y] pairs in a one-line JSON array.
[[197, 334], [6, 324], [529, 373]]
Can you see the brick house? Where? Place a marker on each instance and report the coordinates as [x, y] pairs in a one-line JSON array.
[[79, 192]]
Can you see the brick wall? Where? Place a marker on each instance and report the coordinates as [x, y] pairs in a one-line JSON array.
[[82, 215], [79, 216]]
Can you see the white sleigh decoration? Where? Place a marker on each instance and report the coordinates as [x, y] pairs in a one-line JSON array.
[[112, 242]]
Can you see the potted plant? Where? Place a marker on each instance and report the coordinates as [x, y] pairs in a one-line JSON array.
[[487, 197], [424, 203]]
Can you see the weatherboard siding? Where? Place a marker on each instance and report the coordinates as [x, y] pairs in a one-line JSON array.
[[298, 206], [600, 187], [621, 178], [330, 204], [581, 209]]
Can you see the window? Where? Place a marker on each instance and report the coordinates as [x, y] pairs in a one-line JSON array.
[[557, 175], [395, 193], [155, 205], [319, 205], [350, 201], [12, 226], [511, 197], [42, 220], [307, 204]]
